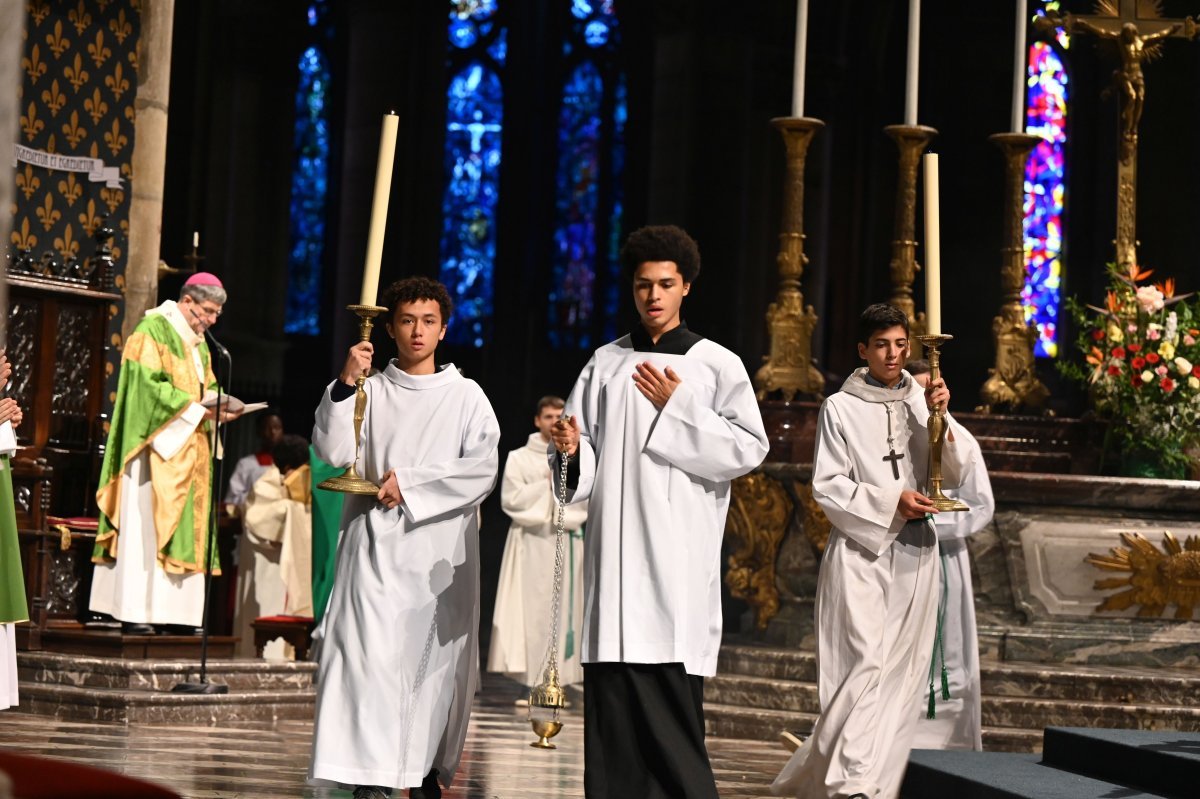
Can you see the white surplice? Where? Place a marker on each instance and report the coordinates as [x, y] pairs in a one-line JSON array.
[[958, 721], [399, 655], [658, 482], [248, 470], [877, 593], [521, 621]]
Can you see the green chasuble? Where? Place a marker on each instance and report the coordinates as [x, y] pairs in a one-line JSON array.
[[326, 519], [159, 381], [12, 579]]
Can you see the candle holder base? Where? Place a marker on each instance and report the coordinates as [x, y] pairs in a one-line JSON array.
[[932, 343], [348, 482]]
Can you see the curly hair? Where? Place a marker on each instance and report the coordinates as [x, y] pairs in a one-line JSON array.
[[415, 289], [290, 452], [880, 316], [662, 243]]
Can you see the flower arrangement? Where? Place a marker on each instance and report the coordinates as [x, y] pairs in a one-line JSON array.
[[1142, 354]]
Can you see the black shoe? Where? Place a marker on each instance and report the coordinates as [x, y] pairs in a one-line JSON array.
[[372, 792], [179, 629], [430, 789], [136, 628]]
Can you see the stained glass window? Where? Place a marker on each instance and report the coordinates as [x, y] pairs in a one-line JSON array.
[[585, 272], [1045, 187], [474, 121], [306, 224]]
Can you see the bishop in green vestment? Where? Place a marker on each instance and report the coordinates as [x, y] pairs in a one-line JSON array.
[[13, 608]]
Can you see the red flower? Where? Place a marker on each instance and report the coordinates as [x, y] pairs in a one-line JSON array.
[[1097, 335], [1138, 363], [1196, 370], [1114, 370], [1134, 348], [1136, 379], [1118, 352], [1152, 357], [1167, 385]]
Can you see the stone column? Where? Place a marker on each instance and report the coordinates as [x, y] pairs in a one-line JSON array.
[[149, 161], [12, 25]]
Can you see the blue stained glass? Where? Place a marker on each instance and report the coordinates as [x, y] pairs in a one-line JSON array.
[[581, 9], [612, 297], [474, 116], [470, 21], [306, 224], [596, 33], [499, 48]]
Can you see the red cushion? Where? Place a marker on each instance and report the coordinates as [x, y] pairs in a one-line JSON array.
[[285, 619], [49, 778], [75, 522]]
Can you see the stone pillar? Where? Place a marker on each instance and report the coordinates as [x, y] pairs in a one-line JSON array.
[[149, 161], [12, 25]]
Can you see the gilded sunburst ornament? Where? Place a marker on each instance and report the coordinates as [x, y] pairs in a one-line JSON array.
[[1156, 578]]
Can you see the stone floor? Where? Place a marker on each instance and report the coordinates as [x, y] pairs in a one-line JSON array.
[[269, 760]]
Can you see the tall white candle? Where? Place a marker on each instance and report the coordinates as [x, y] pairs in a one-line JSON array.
[[1019, 56], [195, 239], [914, 62], [933, 248], [383, 190], [801, 50]]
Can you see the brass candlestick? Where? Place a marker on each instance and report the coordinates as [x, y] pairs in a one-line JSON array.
[[1013, 382], [912, 140], [349, 481], [937, 428], [788, 368]]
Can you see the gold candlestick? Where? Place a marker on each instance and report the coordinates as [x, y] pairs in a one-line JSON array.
[[349, 481], [1013, 382], [937, 429], [912, 140], [789, 368]]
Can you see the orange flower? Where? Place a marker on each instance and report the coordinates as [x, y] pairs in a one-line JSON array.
[[1136, 273], [1167, 287], [1112, 303]]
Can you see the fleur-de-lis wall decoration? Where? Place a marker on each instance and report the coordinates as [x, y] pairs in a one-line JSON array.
[[28, 182], [120, 26], [30, 124], [47, 213], [38, 9], [54, 98], [95, 106], [112, 198], [133, 59], [76, 74], [89, 219], [98, 51], [80, 17], [66, 245], [70, 189], [24, 239], [58, 43], [117, 82], [73, 131], [115, 139], [33, 64]]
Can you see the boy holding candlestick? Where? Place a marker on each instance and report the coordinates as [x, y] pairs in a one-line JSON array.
[[876, 607], [399, 658]]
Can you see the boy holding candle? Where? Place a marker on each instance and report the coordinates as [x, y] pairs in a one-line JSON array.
[[876, 607], [399, 658]]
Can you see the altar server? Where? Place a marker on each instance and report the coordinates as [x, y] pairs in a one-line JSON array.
[[399, 657], [957, 721], [658, 424], [521, 620], [876, 605]]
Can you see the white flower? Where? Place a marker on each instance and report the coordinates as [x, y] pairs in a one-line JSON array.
[[1183, 365], [1150, 298], [1147, 376], [1172, 327], [1194, 382]]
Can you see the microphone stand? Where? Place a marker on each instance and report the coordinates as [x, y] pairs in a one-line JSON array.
[[216, 469]]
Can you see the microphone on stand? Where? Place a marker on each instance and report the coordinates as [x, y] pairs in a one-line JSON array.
[[218, 346]]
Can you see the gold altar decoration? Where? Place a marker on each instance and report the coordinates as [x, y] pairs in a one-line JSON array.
[[788, 367], [1013, 383], [1156, 579], [349, 481], [1137, 28], [903, 267], [937, 429], [817, 526], [759, 512]]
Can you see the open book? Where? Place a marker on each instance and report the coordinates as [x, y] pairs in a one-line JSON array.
[[231, 404]]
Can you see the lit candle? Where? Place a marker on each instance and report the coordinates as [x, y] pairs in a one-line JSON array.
[[1018, 103], [195, 239], [800, 55], [914, 62], [933, 249], [383, 189]]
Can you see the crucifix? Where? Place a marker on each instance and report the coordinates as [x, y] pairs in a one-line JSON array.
[[1138, 29], [894, 456]]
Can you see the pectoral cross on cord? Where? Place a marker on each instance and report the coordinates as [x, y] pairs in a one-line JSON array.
[[892, 455]]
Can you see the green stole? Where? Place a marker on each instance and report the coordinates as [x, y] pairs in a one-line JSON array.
[[12, 578], [326, 520]]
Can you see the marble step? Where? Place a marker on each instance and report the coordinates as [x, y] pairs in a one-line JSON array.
[[758, 724], [68, 702], [1121, 684], [49, 668]]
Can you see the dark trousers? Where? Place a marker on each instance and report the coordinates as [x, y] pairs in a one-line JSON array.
[[643, 733]]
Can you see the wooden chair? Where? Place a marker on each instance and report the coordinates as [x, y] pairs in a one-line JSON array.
[[296, 630]]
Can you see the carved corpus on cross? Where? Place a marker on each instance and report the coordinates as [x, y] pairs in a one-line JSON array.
[[1137, 28]]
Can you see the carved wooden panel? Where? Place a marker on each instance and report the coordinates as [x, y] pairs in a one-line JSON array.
[[24, 320], [73, 367]]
